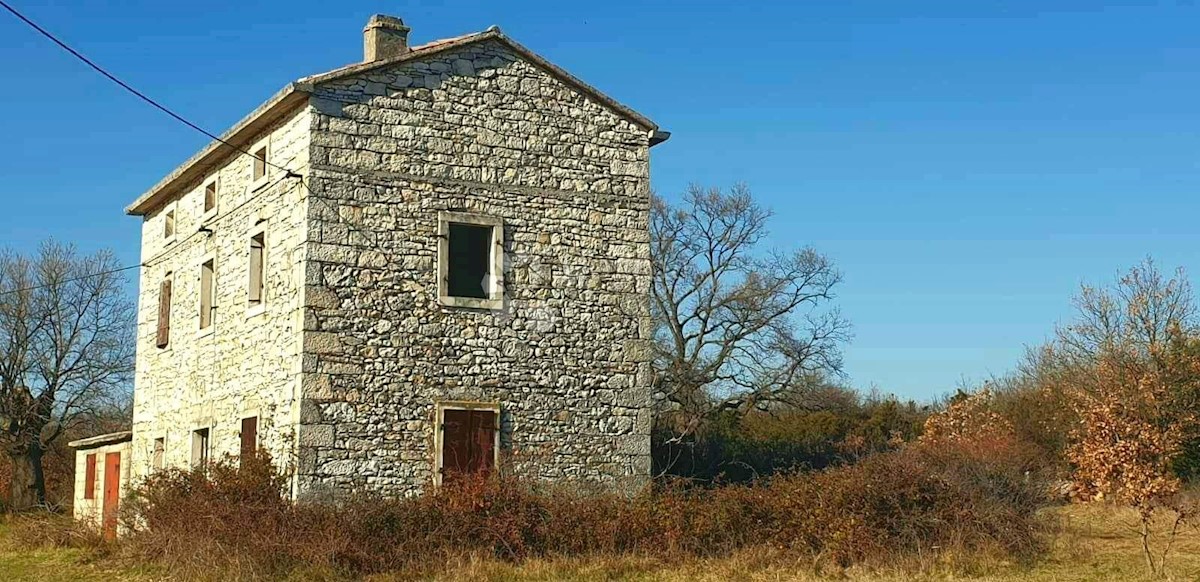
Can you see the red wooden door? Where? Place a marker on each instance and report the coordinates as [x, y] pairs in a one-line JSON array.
[[112, 493], [468, 441]]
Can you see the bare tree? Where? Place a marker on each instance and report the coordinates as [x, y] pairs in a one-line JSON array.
[[66, 353], [1142, 310], [737, 326]]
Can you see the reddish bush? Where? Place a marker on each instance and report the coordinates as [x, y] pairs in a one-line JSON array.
[[238, 521]]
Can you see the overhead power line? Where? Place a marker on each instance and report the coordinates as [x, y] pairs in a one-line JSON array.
[[130, 89], [65, 281], [288, 172]]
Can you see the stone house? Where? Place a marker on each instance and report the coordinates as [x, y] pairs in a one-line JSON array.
[[435, 260]]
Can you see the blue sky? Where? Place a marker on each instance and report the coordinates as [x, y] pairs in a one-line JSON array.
[[966, 164]]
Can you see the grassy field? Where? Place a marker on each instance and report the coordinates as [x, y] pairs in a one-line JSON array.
[[1094, 543]]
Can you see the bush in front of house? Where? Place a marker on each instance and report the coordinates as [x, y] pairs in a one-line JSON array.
[[919, 500]]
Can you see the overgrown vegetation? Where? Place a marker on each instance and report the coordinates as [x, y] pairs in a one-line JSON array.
[[237, 520], [838, 427]]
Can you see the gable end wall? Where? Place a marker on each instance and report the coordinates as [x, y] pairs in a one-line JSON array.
[[474, 130]]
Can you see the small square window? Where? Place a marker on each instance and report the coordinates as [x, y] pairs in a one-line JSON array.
[[169, 224], [200, 447], [260, 163], [470, 261], [210, 197]]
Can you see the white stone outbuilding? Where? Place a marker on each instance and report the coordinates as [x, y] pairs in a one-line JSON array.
[[101, 479]]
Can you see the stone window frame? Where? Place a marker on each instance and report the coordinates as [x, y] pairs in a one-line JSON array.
[[256, 309], [212, 323], [215, 182], [263, 144], [495, 300], [196, 459], [440, 408]]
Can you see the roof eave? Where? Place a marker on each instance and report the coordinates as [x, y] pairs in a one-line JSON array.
[[101, 440], [238, 136]]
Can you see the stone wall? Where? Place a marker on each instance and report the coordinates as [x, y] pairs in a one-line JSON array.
[[477, 130], [249, 365]]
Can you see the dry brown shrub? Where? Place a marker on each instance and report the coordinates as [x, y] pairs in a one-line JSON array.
[[1135, 416], [971, 428], [237, 522]]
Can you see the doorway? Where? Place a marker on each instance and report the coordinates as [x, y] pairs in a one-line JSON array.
[[468, 439], [112, 494]]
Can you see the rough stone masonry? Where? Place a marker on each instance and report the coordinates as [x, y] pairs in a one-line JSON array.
[[356, 351]]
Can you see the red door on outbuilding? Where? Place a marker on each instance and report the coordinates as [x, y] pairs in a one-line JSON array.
[[112, 494]]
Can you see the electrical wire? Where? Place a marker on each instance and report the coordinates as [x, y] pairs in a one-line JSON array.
[[288, 172], [71, 280], [130, 89]]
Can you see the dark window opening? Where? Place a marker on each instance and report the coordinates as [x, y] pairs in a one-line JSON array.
[[200, 447], [468, 441], [469, 268]]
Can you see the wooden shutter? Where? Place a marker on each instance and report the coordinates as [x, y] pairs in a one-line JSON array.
[[468, 441], [164, 314], [206, 293], [484, 432], [256, 268], [456, 438], [89, 477], [249, 436], [160, 449]]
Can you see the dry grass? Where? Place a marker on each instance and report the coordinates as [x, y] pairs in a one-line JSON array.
[[27, 555], [1094, 543]]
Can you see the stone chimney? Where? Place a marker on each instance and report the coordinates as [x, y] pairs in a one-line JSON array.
[[384, 37]]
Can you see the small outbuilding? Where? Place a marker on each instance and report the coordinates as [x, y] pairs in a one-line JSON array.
[[101, 478]]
